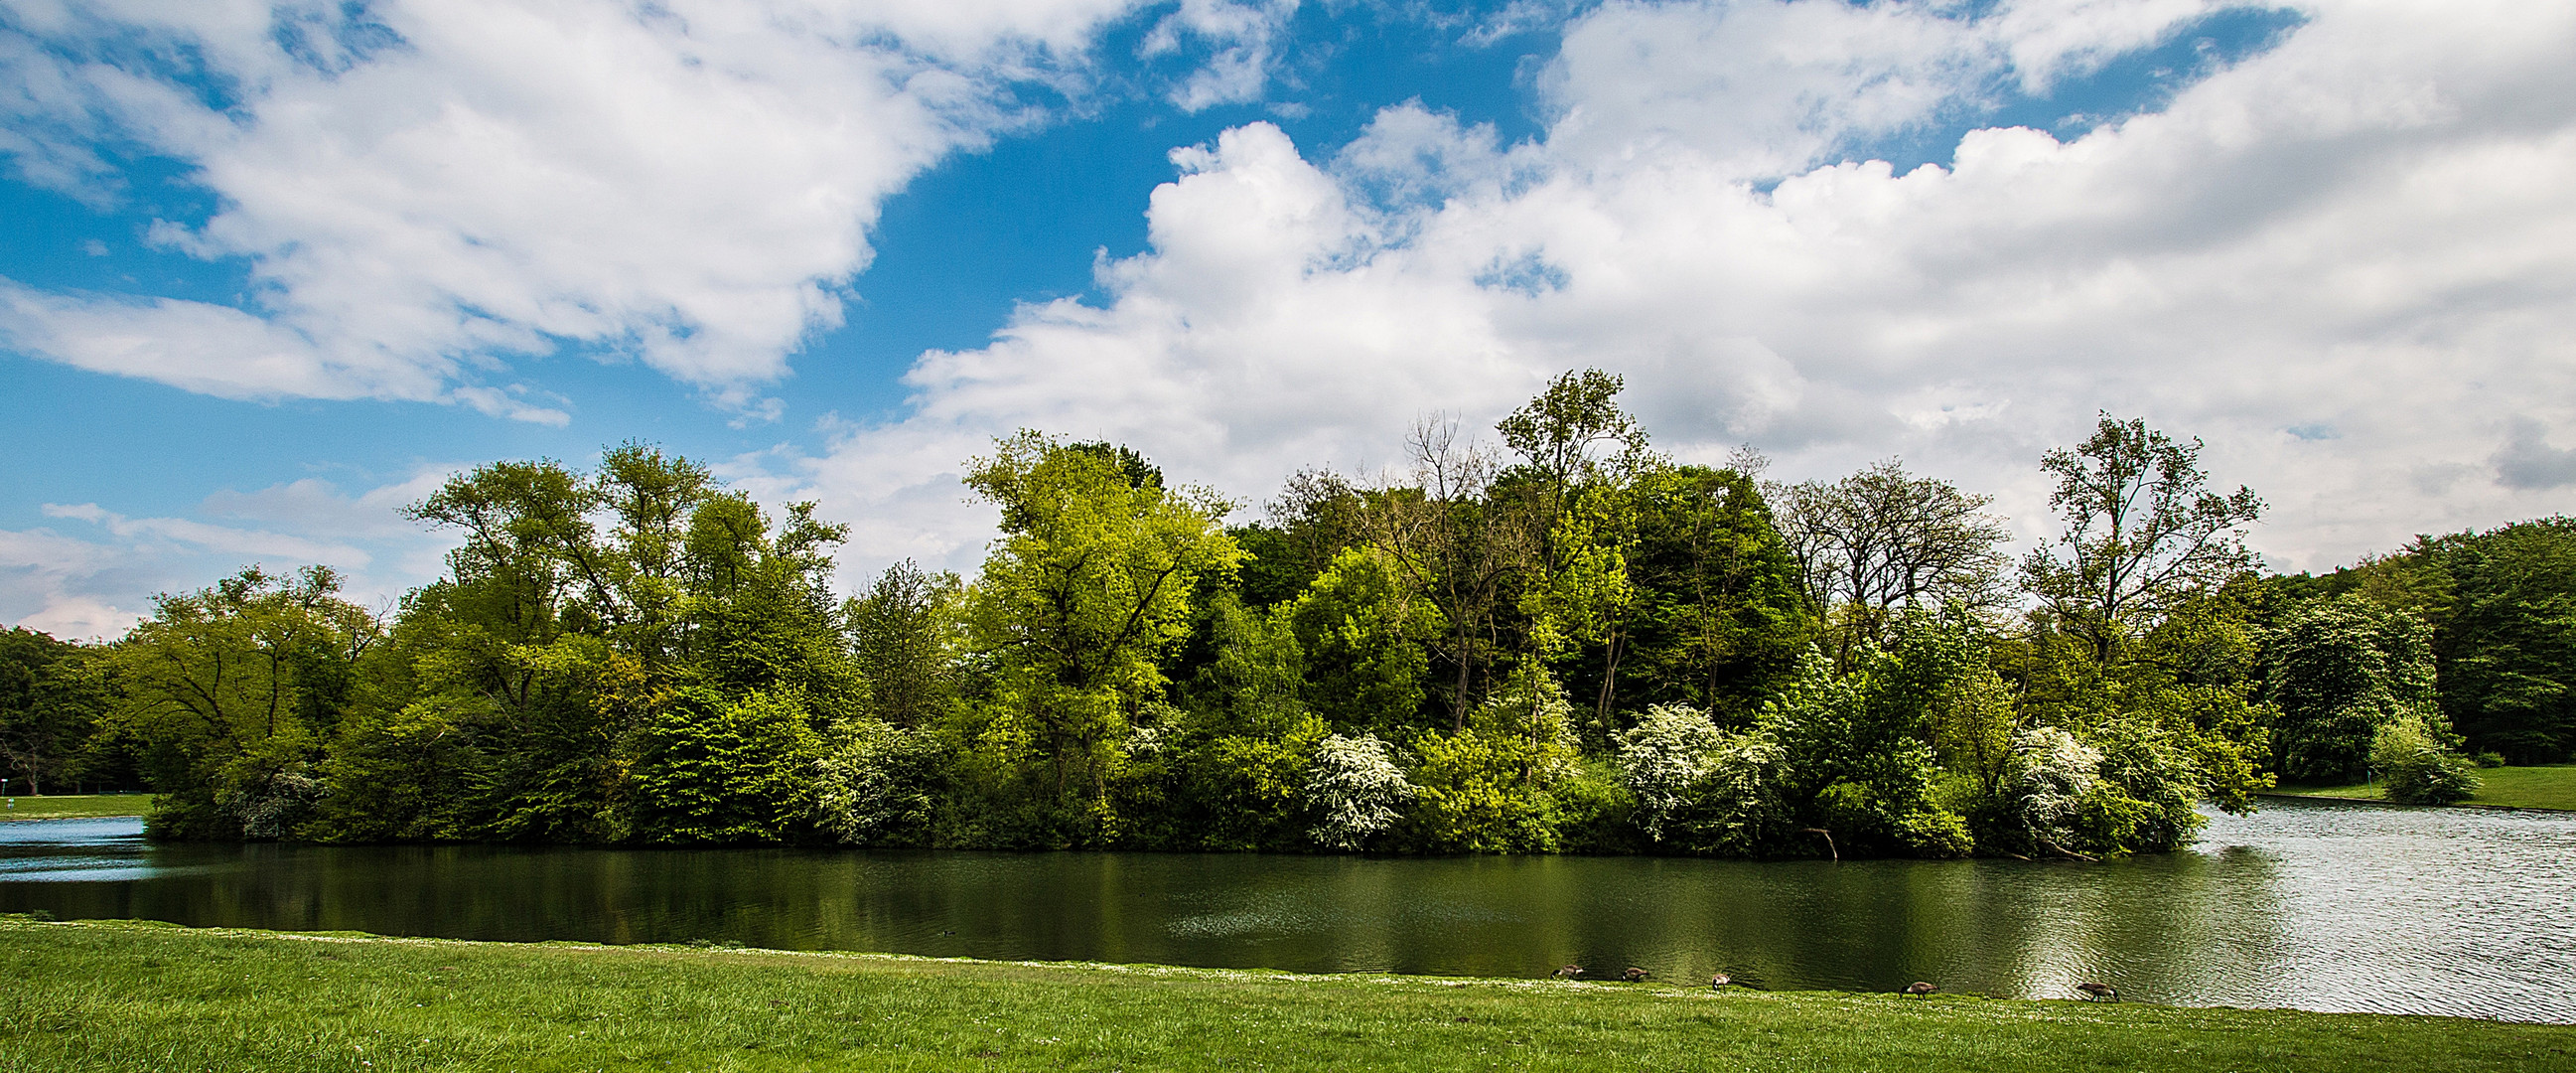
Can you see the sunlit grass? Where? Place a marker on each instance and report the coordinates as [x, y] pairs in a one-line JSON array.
[[67, 806], [126, 996], [2552, 786]]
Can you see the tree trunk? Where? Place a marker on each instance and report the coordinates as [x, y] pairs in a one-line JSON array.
[[1609, 679]]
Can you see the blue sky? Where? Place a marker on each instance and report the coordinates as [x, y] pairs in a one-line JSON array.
[[272, 270]]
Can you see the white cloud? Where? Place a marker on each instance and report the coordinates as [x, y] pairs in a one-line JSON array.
[[87, 578], [1242, 38], [2369, 228], [423, 191]]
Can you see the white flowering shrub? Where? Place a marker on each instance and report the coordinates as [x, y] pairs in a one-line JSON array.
[[1355, 789], [2047, 779], [1666, 758]]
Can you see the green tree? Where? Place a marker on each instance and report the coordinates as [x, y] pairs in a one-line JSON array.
[[2340, 671], [904, 631], [51, 697], [235, 689], [1364, 635], [1717, 622], [2142, 532], [2505, 636], [1085, 591]]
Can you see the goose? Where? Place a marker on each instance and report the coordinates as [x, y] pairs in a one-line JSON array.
[[1719, 981], [1634, 975], [1569, 972], [1918, 989], [2098, 991]]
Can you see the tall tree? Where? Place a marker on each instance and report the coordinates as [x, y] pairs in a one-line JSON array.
[[1088, 586], [2142, 531], [236, 688], [2505, 636], [50, 700], [2340, 670], [1719, 622], [1881, 539], [902, 631], [1456, 545]]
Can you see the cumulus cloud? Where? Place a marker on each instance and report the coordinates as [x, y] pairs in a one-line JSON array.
[[2370, 227], [422, 192]]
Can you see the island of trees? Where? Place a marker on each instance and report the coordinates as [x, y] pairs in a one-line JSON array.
[[1568, 643]]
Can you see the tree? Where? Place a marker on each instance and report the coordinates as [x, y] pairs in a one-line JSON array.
[[1717, 621], [2341, 671], [2142, 532], [1088, 586], [2505, 635], [1316, 515], [1364, 635], [1460, 550], [902, 632], [235, 689], [537, 681], [1665, 759], [1581, 521], [51, 697], [1881, 539], [1355, 790], [1559, 435]]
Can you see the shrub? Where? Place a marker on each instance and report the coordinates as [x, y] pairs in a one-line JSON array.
[[1355, 790], [1665, 759], [2416, 769], [875, 787]]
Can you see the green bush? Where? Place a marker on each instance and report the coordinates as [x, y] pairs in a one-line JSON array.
[[2416, 769]]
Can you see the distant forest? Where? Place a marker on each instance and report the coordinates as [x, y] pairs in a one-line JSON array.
[[1563, 643]]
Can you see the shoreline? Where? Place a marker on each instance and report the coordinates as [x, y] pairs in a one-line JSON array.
[[2385, 803]]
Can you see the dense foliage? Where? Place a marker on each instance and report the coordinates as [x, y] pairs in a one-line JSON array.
[[1572, 644], [2501, 607]]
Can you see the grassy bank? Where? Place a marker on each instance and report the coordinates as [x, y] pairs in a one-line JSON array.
[[126, 996], [2552, 786], [67, 806]]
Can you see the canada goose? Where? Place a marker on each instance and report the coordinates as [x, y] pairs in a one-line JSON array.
[[1918, 989], [1634, 975], [1569, 972], [1720, 981], [2098, 991]]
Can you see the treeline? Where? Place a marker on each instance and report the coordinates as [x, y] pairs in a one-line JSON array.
[[1569, 643]]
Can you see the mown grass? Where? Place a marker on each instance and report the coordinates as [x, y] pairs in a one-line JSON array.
[[130, 996], [69, 806], [2551, 786]]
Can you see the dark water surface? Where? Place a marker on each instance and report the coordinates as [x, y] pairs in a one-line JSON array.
[[2321, 907]]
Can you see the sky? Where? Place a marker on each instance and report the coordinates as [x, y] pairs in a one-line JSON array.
[[271, 271]]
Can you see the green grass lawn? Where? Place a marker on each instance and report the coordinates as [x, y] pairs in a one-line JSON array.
[[129, 996], [2551, 786], [63, 806]]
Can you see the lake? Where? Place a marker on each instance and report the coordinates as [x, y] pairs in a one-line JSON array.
[[2305, 905]]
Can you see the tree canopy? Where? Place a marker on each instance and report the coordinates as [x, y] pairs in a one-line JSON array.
[[1566, 642]]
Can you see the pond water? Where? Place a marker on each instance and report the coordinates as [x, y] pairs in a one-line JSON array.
[[2312, 906]]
